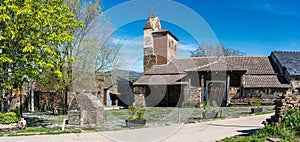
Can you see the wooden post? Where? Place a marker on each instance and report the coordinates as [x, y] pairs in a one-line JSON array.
[[202, 88], [242, 86]]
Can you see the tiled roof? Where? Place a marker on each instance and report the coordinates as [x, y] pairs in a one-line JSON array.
[[165, 32], [252, 65], [221, 65], [289, 60], [259, 72], [179, 65], [160, 80], [264, 81]]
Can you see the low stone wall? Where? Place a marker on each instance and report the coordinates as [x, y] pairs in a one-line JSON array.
[[282, 106], [21, 125]]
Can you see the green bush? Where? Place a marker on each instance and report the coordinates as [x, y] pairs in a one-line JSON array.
[[292, 118], [8, 117], [136, 113]]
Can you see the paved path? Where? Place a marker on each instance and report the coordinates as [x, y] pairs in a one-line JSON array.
[[205, 131]]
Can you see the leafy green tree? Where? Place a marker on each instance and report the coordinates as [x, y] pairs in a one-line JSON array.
[[205, 50], [31, 35], [91, 50]]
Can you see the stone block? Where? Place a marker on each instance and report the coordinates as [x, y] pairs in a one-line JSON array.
[[91, 110], [74, 117]]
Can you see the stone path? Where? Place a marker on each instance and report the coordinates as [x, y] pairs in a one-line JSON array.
[[205, 131]]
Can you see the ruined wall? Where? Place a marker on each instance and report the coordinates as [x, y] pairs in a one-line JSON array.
[[282, 106]]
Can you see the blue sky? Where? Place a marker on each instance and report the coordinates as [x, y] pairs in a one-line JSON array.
[[256, 27]]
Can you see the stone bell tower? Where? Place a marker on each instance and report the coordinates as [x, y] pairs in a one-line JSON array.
[[160, 46]]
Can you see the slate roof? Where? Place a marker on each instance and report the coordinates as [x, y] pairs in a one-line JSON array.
[[264, 81], [289, 60]]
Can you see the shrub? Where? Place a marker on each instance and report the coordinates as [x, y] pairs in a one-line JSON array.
[[136, 113], [292, 118], [8, 117]]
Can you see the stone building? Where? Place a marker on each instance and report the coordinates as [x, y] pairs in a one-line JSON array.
[[288, 64], [170, 81]]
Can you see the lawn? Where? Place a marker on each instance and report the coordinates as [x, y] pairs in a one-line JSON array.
[[46, 123]]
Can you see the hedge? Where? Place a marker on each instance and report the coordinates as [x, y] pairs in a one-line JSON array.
[[8, 117]]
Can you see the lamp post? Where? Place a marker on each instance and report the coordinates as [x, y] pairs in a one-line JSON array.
[[31, 95]]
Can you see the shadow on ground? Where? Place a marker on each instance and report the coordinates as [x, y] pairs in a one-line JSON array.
[[36, 122], [247, 132]]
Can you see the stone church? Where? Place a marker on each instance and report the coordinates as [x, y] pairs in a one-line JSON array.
[[174, 82]]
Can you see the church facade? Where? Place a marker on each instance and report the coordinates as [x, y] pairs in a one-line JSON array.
[[174, 82]]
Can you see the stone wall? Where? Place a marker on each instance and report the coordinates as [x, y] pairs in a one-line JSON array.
[[264, 93], [192, 96], [149, 61], [282, 106]]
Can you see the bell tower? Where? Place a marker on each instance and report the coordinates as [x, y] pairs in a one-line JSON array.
[[152, 25], [160, 46]]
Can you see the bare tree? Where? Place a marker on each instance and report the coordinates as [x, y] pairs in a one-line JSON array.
[[205, 50]]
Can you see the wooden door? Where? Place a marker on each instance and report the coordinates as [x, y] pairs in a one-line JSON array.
[[216, 93]]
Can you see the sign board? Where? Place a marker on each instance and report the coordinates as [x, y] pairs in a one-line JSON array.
[[16, 91]]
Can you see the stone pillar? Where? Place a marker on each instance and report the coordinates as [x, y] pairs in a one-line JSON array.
[[139, 96], [202, 88], [242, 86], [139, 100], [228, 89]]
